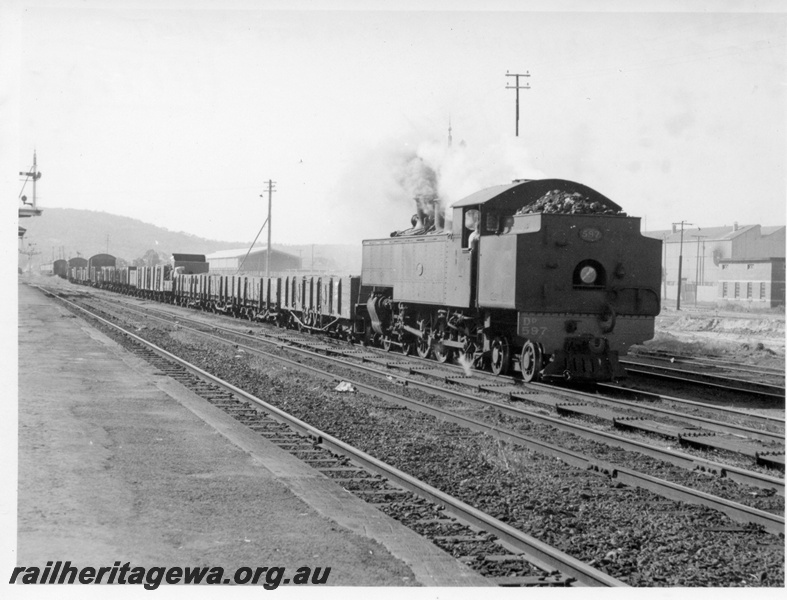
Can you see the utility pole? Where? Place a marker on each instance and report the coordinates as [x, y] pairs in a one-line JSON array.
[[664, 272], [699, 270], [268, 252], [517, 87], [680, 260]]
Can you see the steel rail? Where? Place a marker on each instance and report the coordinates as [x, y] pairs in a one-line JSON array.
[[707, 361], [711, 424], [761, 390], [679, 459], [705, 422], [538, 553], [765, 419], [734, 510]]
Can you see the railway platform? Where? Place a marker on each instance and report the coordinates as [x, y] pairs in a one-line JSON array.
[[118, 462]]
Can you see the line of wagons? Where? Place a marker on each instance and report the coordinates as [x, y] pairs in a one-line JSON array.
[[306, 302]]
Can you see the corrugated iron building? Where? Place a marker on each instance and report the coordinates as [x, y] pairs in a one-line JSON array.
[[705, 249], [227, 262]]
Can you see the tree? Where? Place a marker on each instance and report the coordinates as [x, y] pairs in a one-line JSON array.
[[151, 258]]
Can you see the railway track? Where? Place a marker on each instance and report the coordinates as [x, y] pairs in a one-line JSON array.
[[357, 470], [712, 362], [514, 438], [750, 478], [569, 402], [728, 383], [759, 445]]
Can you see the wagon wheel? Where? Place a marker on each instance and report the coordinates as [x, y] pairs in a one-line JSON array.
[[531, 361], [311, 321], [304, 323], [500, 359]]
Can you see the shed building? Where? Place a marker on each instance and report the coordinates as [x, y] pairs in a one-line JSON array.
[[753, 282], [227, 262], [703, 252]]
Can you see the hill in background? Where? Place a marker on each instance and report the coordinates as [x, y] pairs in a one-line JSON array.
[[64, 232]]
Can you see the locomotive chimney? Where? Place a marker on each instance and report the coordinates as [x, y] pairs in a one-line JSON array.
[[439, 215], [419, 224]]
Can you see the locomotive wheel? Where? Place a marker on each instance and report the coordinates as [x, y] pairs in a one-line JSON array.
[[422, 346], [408, 347], [500, 359], [368, 336], [387, 343], [442, 353], [530, 360]]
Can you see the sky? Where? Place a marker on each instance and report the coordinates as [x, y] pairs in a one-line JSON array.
[[179, 113]]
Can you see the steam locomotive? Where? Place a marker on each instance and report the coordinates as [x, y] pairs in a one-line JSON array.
[[545, 277]]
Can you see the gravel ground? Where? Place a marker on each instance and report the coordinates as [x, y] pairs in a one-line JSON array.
[[631, 534], [758, 498]]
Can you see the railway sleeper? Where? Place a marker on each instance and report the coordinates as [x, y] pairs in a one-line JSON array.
[[708, 440], [774, 460]]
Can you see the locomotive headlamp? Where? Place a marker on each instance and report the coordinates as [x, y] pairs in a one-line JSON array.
[[588, 275]]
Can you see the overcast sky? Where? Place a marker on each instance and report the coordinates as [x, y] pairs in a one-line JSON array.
[[179, 116]]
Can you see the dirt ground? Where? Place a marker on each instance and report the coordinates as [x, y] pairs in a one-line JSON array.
[[749, 337]]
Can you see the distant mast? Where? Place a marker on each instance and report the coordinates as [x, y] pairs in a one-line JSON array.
[[35, 176]]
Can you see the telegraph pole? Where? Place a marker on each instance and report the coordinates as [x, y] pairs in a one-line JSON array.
[[664, 273], [268, 253], [699, 270], [680, 260], [517, 87]]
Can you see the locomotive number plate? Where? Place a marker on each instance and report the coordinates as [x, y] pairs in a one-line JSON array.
[[590, 234], [530, 327]]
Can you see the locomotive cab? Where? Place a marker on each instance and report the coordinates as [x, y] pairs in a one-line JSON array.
[[562, 267]]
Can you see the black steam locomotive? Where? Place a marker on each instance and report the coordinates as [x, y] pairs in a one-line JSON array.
[[547, 277]]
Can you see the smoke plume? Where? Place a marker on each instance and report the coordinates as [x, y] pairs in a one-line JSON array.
[[449, 173]]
